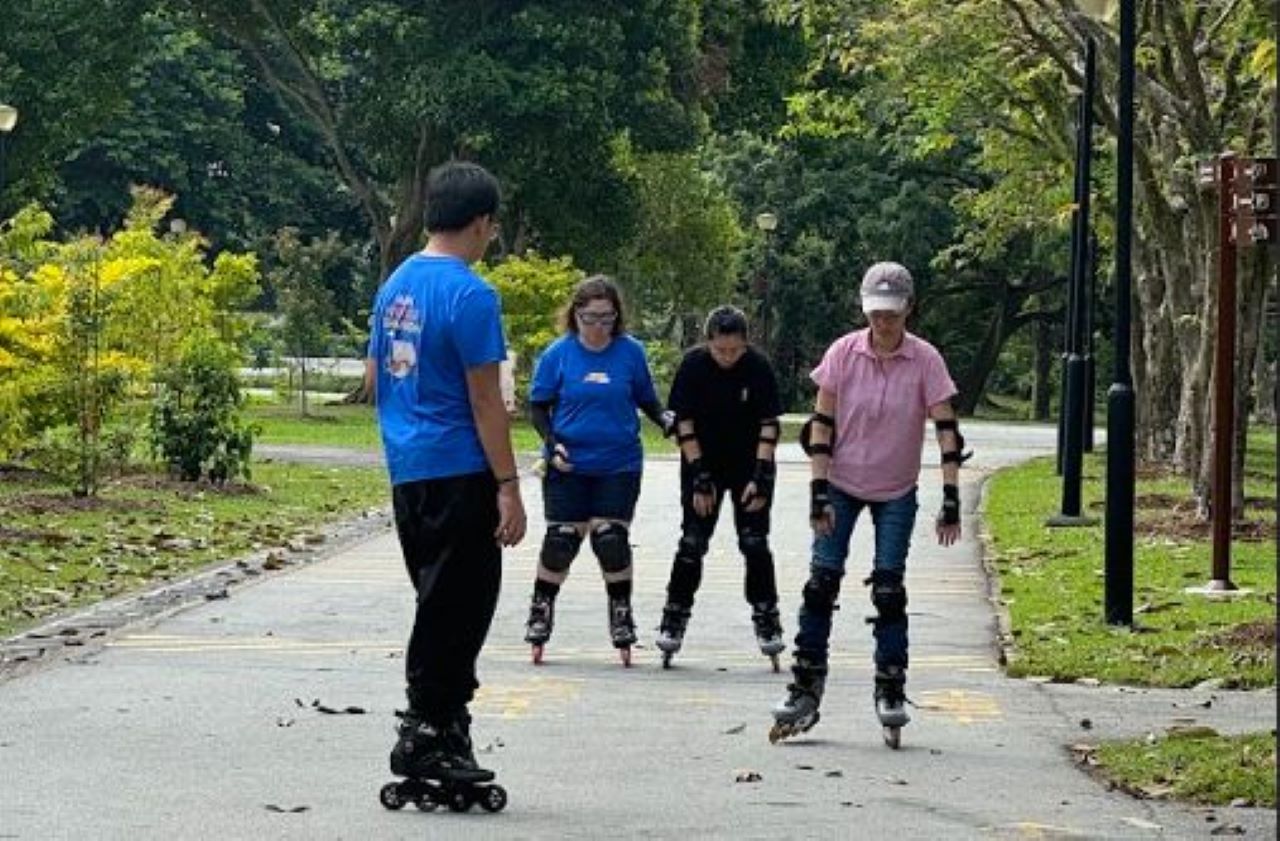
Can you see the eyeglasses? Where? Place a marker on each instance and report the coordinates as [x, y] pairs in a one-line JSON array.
[[592, 318]]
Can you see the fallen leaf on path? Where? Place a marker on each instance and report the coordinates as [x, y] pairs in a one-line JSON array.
[[1143, 824], [1227, 829], [747, 776], [271, 807], [735, 730]]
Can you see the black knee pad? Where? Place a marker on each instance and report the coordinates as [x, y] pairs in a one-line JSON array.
[[889, 596], [612, 546], [560, 547], [692, 547], [821, 591], [754, 547]]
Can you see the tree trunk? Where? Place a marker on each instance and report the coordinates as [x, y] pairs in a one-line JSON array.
[[973, 382], [1040, 387]]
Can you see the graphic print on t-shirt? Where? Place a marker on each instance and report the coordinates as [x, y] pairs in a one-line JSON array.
[[402, 325]]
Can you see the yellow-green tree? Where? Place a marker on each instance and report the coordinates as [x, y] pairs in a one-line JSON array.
[[87, 324]]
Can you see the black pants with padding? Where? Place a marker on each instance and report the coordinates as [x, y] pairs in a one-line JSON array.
[[446, 528]]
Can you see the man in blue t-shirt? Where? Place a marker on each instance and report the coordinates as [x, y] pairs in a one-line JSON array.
[[434, 353]]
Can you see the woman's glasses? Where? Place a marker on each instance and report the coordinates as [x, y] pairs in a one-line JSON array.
[[594, 318]]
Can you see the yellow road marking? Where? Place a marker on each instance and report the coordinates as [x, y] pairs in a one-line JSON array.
[[965, 707]]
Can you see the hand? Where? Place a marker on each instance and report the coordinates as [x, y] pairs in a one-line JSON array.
[[759, 490], [668, 423], [822, 515], [948, 524], [560, 459], [704, 489], [511, 516]]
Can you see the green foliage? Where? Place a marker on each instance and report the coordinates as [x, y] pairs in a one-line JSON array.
[[683, 258], [195, 422], [535, 290], [85, 323], [84, 462], [62, 65], [303, 298]]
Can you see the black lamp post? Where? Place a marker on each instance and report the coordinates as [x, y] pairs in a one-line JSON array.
[[8, 119], [1120, 397], [767, 223], [1071, 422]]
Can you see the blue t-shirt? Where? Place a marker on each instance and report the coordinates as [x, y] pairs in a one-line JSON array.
[[432, 320], [596, 393]]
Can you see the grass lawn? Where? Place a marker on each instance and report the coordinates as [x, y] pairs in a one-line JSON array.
[[1197, 765], [1052, 581], [57, 552]]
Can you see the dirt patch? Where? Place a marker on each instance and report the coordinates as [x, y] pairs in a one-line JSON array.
[[168, 484], [1176, 517], [32, 536], [40, 504], [1260, 634]]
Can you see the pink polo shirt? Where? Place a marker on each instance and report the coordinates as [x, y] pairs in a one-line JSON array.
[[881, 407]]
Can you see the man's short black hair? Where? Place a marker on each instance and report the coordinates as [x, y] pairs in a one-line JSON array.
[[726, 321], [458, 192]]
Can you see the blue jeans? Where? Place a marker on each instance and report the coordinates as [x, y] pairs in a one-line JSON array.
[[893, 521]]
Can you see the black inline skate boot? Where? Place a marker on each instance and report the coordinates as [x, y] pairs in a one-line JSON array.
[[768, 631], [798, 712], [622, 628], [675, 619], [439, 766], [542, 615], [891, 703]]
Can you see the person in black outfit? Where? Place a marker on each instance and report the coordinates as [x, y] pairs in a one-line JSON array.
[[725, 398]]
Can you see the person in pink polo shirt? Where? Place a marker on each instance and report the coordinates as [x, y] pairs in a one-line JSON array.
[[876, 387]]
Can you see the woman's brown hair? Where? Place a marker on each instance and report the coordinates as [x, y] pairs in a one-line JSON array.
[[598, 287]]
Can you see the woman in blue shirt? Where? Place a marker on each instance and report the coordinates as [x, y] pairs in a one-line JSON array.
[[586, 388]]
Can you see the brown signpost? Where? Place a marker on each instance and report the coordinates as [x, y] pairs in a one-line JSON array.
[[1248, 197]]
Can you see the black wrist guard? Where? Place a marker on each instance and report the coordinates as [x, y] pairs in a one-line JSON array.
[[950, 513], [763, 478], [702, 481], [819, 498]]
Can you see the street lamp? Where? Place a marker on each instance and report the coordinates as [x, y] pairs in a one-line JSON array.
[[767, 223], [8, 119], [1120, 397]]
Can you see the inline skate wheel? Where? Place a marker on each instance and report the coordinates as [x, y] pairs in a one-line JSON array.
[[390, 796], [459, 801], [494, 799]]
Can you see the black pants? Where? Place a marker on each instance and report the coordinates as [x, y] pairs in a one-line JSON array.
[[761, 586], [446, 529]]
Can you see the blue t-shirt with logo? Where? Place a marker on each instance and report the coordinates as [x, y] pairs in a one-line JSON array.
[[596, 394], [432, 320]]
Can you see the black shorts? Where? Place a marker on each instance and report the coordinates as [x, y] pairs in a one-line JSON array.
[[575, 498]]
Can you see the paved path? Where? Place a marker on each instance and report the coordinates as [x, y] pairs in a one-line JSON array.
[[205, 724]]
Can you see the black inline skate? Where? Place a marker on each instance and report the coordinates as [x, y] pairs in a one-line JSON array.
[[891, 703], [439, 767], [768, 632], [622, 628], [675, 619], [798, 712], [542, 614]]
